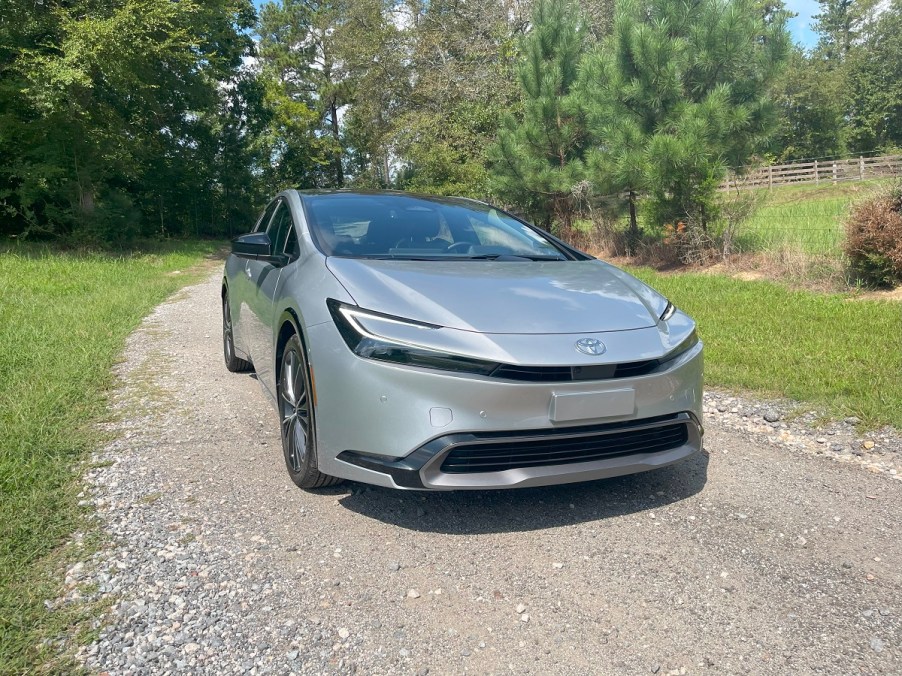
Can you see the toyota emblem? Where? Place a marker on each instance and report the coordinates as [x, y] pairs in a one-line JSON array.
[[590, 346]]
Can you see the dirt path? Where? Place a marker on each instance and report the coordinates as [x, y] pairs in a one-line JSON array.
[[749, 559]]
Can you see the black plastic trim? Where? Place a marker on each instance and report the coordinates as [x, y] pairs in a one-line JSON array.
[[404, 472]]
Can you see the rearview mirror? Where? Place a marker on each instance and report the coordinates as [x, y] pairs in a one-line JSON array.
[[254, 245]]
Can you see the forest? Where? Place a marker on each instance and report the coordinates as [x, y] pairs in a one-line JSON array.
[[127, 119]]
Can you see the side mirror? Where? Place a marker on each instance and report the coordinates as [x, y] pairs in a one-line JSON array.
[[254, 245]]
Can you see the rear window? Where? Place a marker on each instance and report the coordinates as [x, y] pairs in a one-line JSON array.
[[400, 226]]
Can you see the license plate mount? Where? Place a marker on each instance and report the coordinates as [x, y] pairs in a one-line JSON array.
[[570, 406]]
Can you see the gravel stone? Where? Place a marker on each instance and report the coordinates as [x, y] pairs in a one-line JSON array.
[[771, 415]]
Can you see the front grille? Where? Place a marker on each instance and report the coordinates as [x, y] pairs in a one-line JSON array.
[[636, 368], [563, 448], [566, 374], [536, 374]]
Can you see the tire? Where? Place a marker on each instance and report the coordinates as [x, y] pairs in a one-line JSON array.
[[297, 419], [233, 363]]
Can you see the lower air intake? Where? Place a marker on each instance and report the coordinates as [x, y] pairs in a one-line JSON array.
[[497, 456]]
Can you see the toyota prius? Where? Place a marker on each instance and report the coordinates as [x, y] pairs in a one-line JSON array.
[[438, 343]]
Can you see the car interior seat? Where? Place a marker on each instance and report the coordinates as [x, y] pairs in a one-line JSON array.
[[423, 229]]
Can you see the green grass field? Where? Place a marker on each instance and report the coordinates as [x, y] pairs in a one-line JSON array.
[[808, 217], [828, 349], [63, 321]]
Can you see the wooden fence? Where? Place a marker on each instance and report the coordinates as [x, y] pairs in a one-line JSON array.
[[818, 171]]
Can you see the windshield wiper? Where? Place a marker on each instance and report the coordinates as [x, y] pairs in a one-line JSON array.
[[403, 257], [512, 257], [456, 257]]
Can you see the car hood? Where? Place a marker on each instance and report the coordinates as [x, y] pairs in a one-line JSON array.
[[498, 297]]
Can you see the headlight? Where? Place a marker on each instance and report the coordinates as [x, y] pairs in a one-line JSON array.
[[687, 344], [668, 312], [359, 329]]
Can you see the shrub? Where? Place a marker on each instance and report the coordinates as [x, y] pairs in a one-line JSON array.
[[874, 238]]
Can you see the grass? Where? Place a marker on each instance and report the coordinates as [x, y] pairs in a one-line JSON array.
[[829, 349], [809, 217], [63, 321]]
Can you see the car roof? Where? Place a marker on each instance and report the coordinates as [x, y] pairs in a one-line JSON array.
[[441, 199]]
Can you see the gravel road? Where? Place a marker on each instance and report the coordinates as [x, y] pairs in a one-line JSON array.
[[752, 558]]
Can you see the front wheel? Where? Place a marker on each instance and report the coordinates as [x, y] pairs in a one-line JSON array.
[[297, 419]]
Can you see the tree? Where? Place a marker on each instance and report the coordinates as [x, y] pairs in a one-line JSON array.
[[306, 86], [678, 93], [874, 85], [840, 24], [811, 101], [461, 61], [538, 157], [374, 45], [111, 120]]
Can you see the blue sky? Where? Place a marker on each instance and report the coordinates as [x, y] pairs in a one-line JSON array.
[[800, 26]]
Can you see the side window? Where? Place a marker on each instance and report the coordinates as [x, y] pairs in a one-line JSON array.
[[292, 246], [265, 217], [279, 228]]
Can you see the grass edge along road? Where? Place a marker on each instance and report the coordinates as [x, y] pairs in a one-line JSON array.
[[64, 318], [827, 349]]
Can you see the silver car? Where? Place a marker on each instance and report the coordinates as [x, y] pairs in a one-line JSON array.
[[440, 343]]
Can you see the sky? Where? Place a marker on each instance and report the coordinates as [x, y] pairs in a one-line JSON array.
[[799, 27]]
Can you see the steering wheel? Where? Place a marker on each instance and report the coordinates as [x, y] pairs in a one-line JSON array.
[[460, 247], [403, 243]]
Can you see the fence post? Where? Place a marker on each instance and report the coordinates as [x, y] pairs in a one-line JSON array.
[[861, 167], [834, 171], [817, 177], [770, 177]]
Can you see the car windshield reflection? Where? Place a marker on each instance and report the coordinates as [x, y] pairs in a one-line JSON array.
[[402, 227]]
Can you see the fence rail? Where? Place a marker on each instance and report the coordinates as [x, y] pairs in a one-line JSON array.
[[816, 172]]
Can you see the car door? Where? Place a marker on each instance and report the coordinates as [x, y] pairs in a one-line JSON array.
[[241, 290], [263, 277]]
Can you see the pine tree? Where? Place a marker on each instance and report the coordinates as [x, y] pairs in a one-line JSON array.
[[538, 157], [840, 24], [679, 92]]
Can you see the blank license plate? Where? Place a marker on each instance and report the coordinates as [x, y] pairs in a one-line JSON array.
[[586, 405]]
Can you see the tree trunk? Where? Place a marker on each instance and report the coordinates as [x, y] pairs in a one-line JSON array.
[[564, 213], [84, 187], [634, 224], [339, 172], [546, 223]]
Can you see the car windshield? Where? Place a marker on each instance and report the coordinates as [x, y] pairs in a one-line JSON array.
[[421, 228]]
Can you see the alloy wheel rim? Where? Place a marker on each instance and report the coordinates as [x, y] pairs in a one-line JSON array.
[[295, 410], [226, 329]]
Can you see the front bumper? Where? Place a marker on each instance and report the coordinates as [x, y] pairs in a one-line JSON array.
[[539, 458], [396, 426]]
